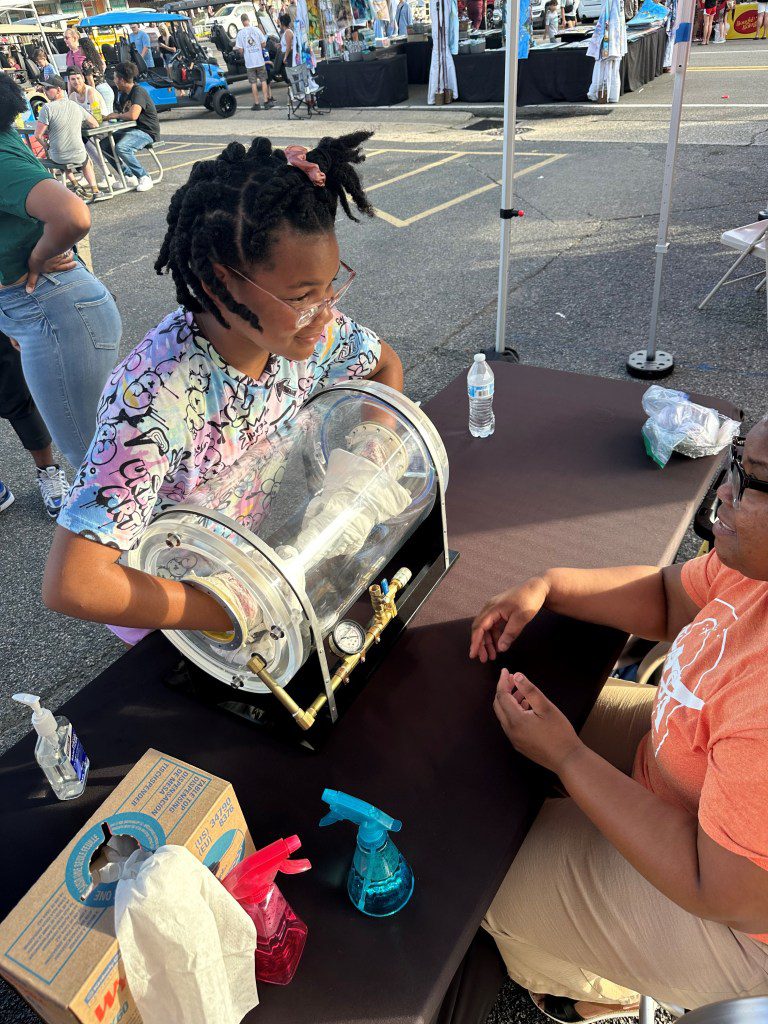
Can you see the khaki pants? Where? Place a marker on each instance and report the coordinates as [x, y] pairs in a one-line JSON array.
[[573, 917]]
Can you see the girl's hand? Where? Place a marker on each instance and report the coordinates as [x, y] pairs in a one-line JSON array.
[[532, 724], [504, 617], [38, 265]]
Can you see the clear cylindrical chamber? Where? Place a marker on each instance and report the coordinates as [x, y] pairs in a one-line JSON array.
[[310, 515]]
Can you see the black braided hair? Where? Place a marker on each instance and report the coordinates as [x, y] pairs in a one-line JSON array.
[[231, 208]]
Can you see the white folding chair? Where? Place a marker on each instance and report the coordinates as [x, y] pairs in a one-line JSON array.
[[747, 241]]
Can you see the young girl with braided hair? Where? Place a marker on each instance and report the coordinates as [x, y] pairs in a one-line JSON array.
[[252, 252]]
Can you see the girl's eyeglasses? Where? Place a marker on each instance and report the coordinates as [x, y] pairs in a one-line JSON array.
[[739, 479], [304, 316]]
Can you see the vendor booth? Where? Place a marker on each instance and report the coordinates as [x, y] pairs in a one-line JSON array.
[[556, 74], [741, 22], [378, 79]]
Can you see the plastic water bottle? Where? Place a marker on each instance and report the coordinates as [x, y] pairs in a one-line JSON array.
[[480, 390]]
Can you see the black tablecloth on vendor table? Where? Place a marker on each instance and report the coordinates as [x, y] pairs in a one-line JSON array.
[[563, 480], [374, 83], [419, 54], [558, 75]]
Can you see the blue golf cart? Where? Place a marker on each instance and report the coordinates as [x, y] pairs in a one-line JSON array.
[[189, 80]]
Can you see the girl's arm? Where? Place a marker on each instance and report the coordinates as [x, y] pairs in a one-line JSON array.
[[83, 579], [389, 369]]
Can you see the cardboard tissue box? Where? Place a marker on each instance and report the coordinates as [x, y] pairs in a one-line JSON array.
[[59, 949]]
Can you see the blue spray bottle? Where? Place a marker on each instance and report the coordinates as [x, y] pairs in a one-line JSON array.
[[380, 882]]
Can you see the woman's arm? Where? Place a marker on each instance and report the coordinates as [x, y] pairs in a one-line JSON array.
[[83, 579], [66, 220], [639, 599], [664, 843], [389, 369]]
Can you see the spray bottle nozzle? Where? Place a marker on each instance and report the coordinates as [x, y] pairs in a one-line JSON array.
[[374, 824], [254, 876]]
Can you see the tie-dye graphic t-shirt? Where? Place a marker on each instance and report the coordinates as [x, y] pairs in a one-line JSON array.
[[174, 413]]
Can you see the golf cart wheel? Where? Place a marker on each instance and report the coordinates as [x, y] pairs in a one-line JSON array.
[[37, 103], [224, 103], [232, 31]]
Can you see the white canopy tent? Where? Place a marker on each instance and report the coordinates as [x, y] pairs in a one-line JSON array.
[[647, 363]]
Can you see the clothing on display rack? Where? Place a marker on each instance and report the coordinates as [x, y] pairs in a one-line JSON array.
[[607, 46]]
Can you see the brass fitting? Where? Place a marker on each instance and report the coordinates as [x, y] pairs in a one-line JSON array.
[[384, 611]]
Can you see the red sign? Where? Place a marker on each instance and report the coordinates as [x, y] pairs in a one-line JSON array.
[[746, 23]]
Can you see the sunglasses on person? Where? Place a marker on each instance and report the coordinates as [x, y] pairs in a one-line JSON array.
[[306, 314], [739, 479]]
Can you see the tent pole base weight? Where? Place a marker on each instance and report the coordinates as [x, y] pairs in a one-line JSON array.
[[507, 355], [659, 365]]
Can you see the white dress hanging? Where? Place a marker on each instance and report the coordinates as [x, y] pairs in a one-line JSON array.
[[607, 46], [442, 72]]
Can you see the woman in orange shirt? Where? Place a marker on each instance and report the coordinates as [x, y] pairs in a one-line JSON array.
[[651, 877]]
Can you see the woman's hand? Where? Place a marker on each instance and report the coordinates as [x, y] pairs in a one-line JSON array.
[[503, 618], [532, 724], [38, 265]]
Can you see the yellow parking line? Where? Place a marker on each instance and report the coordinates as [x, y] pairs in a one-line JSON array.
[[398, 223], [410, 174]]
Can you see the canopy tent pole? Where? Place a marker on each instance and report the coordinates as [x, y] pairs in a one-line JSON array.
[[506, 213], [649, 363]]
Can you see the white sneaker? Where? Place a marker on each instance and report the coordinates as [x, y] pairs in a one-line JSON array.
[[131, 180], [145, 183], [6, 496], [53, 485]]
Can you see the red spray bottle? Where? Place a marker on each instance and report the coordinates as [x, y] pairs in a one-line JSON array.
[[280, 933]]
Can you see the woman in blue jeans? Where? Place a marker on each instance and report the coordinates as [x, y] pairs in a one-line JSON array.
[[63, 319]]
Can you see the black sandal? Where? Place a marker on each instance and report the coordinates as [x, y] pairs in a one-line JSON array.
[[563, 1010]]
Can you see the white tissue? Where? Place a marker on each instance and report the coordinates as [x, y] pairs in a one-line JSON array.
[[187, 946]]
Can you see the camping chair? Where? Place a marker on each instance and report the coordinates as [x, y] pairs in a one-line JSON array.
[[747, 240], [302, 91]]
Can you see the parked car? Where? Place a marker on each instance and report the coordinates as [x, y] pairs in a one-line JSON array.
[[537, 13], [229, 18], [590, 10]]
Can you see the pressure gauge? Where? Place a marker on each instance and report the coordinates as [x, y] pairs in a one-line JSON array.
[[347, 637]]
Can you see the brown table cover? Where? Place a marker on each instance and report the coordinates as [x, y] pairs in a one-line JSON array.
[[563, 480]]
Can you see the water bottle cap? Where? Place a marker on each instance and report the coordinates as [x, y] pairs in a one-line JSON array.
[[480, 357]]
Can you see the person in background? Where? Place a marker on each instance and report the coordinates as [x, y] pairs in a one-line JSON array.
[[93, 69], [286, 40], [166, 46], [252, 249], [76, 55], [153, 34], [59, 129], [708, 9], [63, 318], [91, 100], [134, 104], [403, 18], [551, 21], [17, 407], [250, 42], [40, 58], [139, 38]]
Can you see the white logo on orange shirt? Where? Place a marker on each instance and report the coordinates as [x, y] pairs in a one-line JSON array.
[[687, 650]]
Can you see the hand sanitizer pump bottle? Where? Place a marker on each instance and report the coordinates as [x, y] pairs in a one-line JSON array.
[[380, 882], [58, 751], [281, 935]]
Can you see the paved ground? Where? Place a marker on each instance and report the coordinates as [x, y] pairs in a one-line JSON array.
[[580, 284]]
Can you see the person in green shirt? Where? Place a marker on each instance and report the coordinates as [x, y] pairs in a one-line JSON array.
[[62, 318]]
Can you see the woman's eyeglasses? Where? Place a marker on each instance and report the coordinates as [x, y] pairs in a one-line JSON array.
[[305, 315], [739, 479]]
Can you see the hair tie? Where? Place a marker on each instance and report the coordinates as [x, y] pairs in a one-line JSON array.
[[296, 157]]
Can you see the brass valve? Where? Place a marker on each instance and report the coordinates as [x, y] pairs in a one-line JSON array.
[[384, 611]]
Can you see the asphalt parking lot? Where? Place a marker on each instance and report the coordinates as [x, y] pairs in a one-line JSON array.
[[580, 283]]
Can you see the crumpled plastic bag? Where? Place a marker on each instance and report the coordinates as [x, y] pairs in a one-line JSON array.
[[676, 424], [188, 947]]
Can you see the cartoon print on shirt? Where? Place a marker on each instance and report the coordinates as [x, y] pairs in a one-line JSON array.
[[686, 651], [174, 414]]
